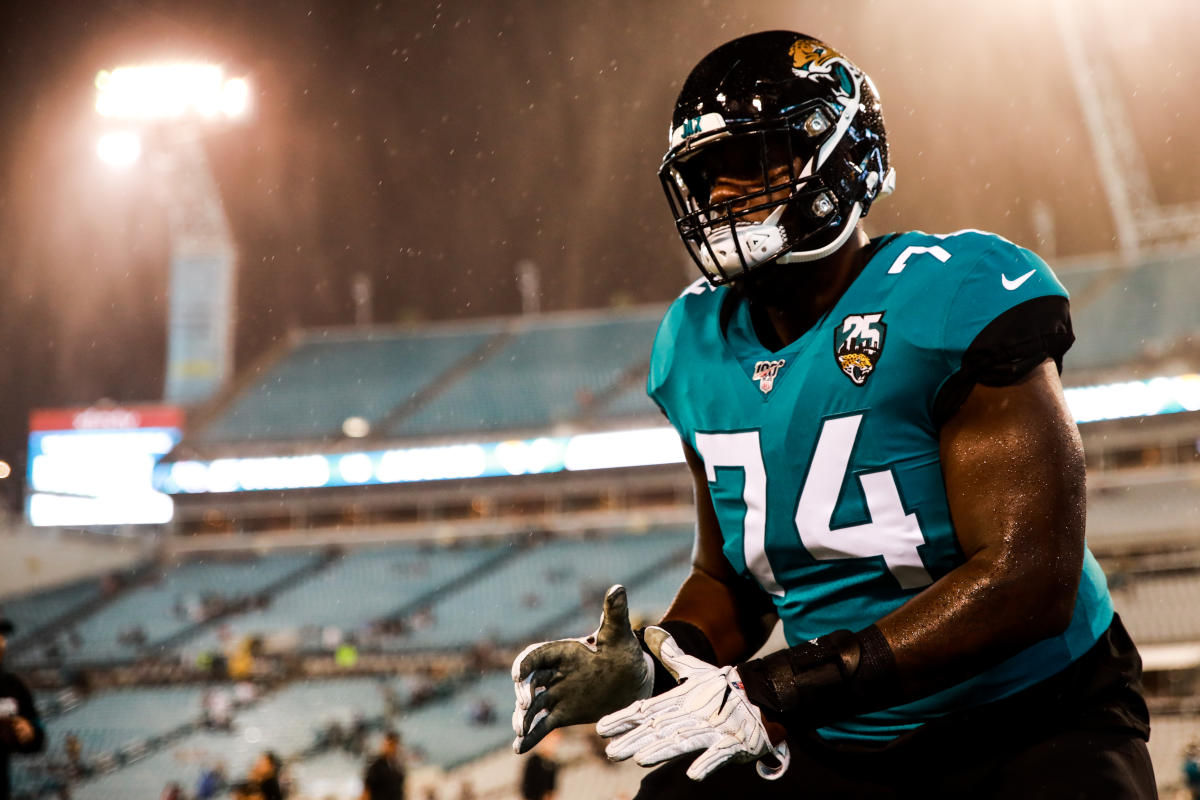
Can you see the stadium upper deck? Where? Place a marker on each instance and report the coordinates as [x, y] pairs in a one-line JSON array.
[[347, 422], [531, 374]]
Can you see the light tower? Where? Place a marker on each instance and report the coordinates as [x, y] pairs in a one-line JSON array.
[[169, 107], [1140, 221]]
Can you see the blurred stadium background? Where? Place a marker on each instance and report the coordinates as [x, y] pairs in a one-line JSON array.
[[355, 527]]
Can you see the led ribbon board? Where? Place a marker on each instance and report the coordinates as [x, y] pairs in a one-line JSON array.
[[609, 450], [629, 448]]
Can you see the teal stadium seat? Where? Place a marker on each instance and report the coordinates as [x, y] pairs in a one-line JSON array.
[[325, 379], [1137, 314], [359, 588], [526, 594], [545, 374], [34, 611], [152, 607]]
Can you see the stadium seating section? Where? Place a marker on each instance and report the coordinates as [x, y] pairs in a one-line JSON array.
[[507, 591], [1142, 600], [447, 380], [444, 380], [568, 363], [354, 591], [138, 738], [526, 594], [33, 612], [166, 607], [1157, 300], [312, 389]]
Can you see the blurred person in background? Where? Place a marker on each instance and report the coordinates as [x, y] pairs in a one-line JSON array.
[[384, 779], [211, 782], [1191, 770], [75, 767], [21, 728], [883, 461], [539, 777], [263, 781], [265, 775]]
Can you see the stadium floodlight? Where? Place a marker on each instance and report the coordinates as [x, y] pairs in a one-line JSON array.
[[119, 148], [170, 91], [173, 106]]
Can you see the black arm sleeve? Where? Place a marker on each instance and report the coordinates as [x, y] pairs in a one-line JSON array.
[[1007, 349], [836, 676]]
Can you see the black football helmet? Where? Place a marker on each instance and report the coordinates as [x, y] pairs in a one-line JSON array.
[[777, 149]]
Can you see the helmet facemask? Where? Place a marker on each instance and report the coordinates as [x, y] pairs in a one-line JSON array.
[[741, 193]]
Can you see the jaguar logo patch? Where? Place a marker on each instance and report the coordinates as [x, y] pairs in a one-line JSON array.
[[857, 344]]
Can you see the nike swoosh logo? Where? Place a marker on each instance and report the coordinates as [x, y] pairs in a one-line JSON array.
[[1015, 284]]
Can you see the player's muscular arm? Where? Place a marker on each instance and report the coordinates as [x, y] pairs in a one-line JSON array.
[[733, 614], [1013, 466]]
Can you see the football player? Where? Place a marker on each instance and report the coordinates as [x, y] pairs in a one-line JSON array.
[[883, 461]]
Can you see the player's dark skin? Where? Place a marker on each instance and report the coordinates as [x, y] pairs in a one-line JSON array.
[[1013, 467]]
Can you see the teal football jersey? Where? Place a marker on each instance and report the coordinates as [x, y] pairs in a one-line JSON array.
[[822, 457]]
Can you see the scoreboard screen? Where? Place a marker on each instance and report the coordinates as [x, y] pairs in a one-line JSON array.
[[93, 466]]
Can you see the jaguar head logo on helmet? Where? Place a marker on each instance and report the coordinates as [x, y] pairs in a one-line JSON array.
[[777, 149]]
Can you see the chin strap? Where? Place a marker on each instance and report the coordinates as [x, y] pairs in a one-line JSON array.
[[886, 187], [793, 257]]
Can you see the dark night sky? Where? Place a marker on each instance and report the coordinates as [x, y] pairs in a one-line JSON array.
[[433, 145]]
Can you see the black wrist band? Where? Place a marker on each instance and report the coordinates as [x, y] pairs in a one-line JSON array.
[[834, 677], [690, 639]]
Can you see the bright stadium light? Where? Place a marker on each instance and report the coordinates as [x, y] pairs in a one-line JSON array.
[[119, 148], [235, 97], [170, 91], [173, 106]]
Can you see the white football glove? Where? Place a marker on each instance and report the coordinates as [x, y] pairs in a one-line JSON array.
[[571, 681], [708, 711]]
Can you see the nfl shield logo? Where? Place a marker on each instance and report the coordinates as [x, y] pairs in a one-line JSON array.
[[857, 343], [765, 373]]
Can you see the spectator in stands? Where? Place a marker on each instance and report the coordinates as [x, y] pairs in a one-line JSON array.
[[356, 735], [540, 777], [76, 768], [1191, 770], [263, 780], [211, 782], [218, 709], [332, 735], [482, 712], [384, 779], [424, 688], [422, 619], [20, 726]]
